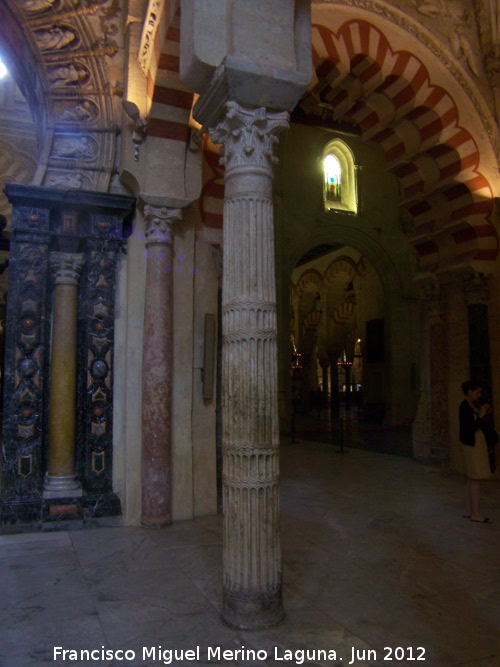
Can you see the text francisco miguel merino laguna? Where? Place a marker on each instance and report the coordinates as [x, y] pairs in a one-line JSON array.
[[216, 653]]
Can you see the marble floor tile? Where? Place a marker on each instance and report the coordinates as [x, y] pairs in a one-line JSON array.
[[375, 554]]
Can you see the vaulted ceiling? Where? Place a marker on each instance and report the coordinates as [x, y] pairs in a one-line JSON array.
[[391, 88], [376, 69]]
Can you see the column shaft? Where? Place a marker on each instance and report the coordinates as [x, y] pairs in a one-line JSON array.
[[251, 552], [157, 368], [62, 384], [334, 389], [62, 408], [438, 351], [477, 288]]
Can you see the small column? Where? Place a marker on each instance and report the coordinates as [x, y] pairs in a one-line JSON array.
[[334, 387], [438, 353], [61, 480], [252, 587], [157, 367], [324, 371], [348, 381], [477, 290]]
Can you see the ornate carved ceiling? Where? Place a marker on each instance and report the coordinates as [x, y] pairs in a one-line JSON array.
[[63, 55]]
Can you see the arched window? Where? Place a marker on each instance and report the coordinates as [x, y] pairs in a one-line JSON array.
[[339, 178]]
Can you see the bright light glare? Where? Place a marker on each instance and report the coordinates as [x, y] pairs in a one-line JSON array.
[[3, 70], [330, 162]]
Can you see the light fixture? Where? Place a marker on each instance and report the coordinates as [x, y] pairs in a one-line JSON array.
[[296, 356], [343, 362], [3, 70]]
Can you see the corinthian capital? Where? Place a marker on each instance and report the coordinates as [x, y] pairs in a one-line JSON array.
[[248, 135], [66, 267], [159, 222]]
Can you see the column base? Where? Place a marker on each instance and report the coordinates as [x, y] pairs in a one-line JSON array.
[[61, 486], [253, 612], [156, 521]]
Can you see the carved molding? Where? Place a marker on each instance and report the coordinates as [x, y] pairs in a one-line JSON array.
[[73, 41], [489, 34], [151, 23], [245, 468]]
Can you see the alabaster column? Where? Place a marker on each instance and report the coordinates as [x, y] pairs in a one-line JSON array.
[[157, 367], [60, 479], [252, 595]]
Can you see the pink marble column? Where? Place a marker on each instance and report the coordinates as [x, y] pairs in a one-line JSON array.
[[157, 367], [252, 585]]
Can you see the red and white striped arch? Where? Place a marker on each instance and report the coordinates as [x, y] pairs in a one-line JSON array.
[[390, 96], [310, 281], [340, 265], [169, 102], [345, 314]]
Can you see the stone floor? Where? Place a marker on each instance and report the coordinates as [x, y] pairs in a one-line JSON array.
[[375, 551]]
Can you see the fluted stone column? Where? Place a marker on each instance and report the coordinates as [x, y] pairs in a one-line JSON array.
[[252, 584], [157, 367], [60, 480]]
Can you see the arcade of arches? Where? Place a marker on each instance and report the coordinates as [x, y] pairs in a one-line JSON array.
[[167, 247]]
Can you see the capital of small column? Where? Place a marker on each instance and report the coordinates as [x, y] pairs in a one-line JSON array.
[[66, 267], [477, 287], [432, 294], [248, 136], [159, 221]]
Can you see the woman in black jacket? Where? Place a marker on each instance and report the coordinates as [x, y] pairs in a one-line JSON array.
[[471, 416]]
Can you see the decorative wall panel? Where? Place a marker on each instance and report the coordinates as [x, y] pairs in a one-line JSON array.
[[95, 225]]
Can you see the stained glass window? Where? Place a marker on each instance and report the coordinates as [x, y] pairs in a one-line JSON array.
[[339, 178], [333, 178]]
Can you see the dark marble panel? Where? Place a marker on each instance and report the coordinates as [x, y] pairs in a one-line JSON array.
[[96, 225], [24, 417]]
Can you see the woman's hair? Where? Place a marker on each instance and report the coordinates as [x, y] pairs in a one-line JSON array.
[[470, 385]]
